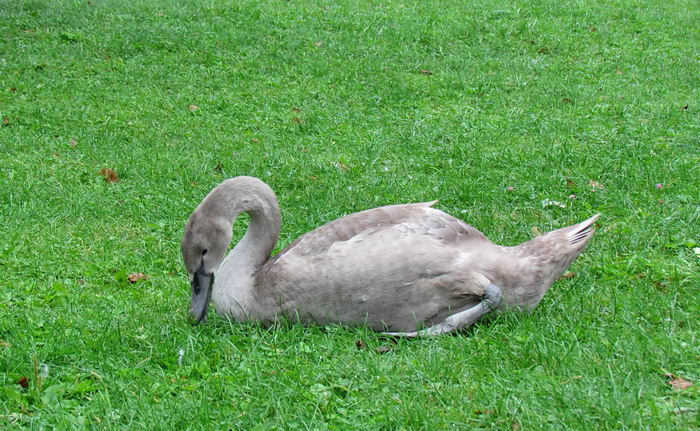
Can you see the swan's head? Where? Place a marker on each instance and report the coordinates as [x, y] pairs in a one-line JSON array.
[[203, 249]]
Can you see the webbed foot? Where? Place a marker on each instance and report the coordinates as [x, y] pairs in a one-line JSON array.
[[492, 299]]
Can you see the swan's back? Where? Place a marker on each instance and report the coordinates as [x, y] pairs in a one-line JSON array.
[[391, 267]]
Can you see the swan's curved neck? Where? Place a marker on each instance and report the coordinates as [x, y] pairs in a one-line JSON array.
[[252, 196]]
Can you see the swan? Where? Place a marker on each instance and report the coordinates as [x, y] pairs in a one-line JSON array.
[[405, 270]]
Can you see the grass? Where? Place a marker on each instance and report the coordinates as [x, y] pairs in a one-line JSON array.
[[342, 106]]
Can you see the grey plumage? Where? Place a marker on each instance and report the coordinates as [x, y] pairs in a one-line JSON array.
[[397, 268]]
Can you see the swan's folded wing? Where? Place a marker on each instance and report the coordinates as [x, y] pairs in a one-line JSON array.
[[394, 268], [411, 219]]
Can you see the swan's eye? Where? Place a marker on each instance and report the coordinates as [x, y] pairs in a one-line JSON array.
[[204, 251]]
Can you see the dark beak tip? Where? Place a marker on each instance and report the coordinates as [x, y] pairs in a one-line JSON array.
[[202, 284], [202, 317], [197, 318]]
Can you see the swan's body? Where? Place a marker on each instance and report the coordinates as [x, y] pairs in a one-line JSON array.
[[396, 268]]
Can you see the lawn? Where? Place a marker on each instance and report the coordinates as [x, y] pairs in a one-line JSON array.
[[520, 116]]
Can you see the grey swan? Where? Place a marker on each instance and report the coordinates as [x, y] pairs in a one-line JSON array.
[[404, 270]]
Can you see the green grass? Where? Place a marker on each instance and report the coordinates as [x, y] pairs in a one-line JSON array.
[[543, 96]]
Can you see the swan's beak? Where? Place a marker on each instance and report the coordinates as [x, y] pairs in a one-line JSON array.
[[202, 283]]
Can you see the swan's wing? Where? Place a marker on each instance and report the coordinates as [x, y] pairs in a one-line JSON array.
[[411, 219], [393, 268]]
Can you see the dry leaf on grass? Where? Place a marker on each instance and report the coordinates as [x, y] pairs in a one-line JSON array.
[[683, 410], [109, 175], [425, 72], [569, 274], [595, 185], [73, 143], [193, 108], [23, 381], [5, 121], [550, 203], [678, 383], [360, 344], [383, 349], [136, 276], [296, 110], [297, 120]]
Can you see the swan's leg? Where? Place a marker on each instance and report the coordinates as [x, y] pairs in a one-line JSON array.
[[491, 300]]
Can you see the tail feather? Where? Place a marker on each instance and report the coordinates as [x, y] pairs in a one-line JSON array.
[[583, 230]]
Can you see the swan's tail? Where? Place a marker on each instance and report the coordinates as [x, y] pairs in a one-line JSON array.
[[582, 232], [554, 251]]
